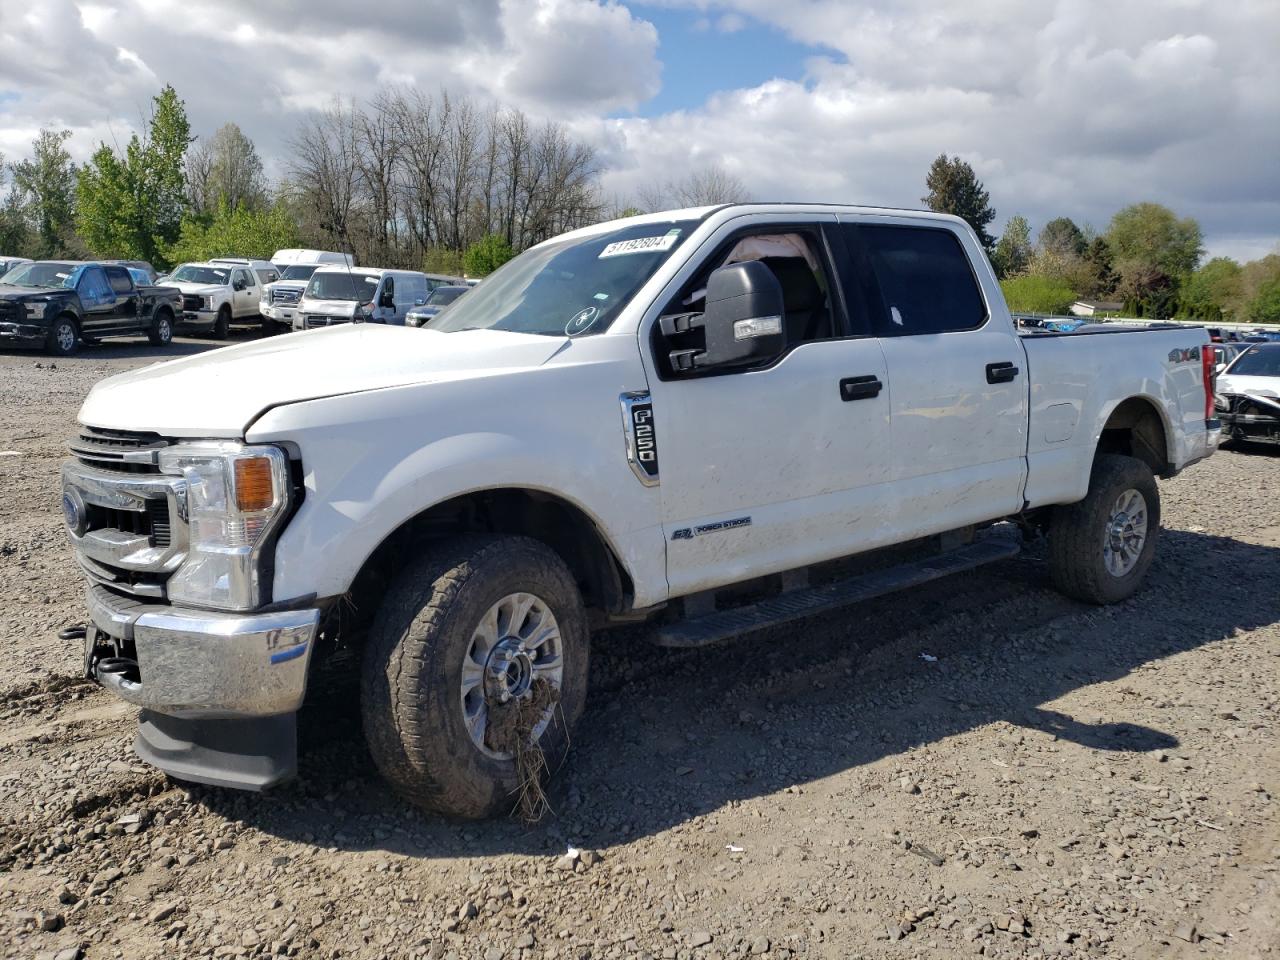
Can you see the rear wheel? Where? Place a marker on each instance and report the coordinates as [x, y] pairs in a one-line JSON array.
[[63, 339], [1101, 548], [161, 333], [222, 324], [478, 655]]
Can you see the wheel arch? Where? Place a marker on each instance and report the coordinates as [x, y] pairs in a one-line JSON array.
[[1136, 427], [549, 518]]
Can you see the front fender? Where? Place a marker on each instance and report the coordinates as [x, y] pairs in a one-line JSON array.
[[374, 460]]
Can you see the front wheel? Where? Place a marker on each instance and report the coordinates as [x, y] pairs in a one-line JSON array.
[[1101, 547], [161, 333], [222, 324], [475, 672], [64, 337]]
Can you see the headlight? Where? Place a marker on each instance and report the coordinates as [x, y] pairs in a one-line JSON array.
[[236, 497], [36, 308], [208, 302]]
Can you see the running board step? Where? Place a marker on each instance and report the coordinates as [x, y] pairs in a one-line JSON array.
[[798, 604]]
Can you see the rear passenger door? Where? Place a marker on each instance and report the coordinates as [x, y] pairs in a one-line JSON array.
[[957, 377]]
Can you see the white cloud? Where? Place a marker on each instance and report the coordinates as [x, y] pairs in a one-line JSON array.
[[1072, 107]]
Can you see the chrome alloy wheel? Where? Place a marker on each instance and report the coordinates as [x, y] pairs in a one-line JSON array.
[[516, 642], [1126, 533], [66, 337]]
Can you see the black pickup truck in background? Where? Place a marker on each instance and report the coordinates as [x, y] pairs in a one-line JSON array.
[[58, 304]]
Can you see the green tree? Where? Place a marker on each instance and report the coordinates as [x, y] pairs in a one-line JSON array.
[[442, 260], [225, 168], [1013, 252], [240, 232], [1151, 235], [1036, 294], [1208, 293], [14, 235], [132, 205], [487, 255], [954, 188], [1255, 277], [1265, 306], [1101, 266], [45, 190], [1061, 236]]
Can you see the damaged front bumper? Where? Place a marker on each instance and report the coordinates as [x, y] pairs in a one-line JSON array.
[[219, 691], [1248, 416]]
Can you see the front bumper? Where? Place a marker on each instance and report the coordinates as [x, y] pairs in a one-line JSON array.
[[279, 313], [199, 318], [24, 334], [199, 663], [1255, 427]]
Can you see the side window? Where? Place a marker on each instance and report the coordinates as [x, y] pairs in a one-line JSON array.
[[389, 288], [268, 276], [245, 277], [413, 290], [93, 287], [926, 281], [119, 279], [795, 257]]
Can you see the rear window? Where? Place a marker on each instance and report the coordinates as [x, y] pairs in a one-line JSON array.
[[925, 278], [1257, 362], [119, 278]]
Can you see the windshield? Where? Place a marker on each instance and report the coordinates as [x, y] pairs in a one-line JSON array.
[[50, 275], [299, 271], [190, 273], [1254, 362], [342, 286], [568, 287], [443, 295]]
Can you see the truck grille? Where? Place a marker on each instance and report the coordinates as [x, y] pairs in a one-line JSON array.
[[124, 450], [318, 320], [285, 296], [192, 302], [126, 521]]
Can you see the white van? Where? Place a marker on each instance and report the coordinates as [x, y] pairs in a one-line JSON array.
[[334, 293], [284, 258], [266, 271]]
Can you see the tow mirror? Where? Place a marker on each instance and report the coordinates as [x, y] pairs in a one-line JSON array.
[[741, 326]]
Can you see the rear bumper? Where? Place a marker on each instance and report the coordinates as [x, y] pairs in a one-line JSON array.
[[1202, 445], [203, 664]]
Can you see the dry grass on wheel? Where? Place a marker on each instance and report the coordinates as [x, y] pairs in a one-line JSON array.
[[510, 730]]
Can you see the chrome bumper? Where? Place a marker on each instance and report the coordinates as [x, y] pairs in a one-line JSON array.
[[206, 664]]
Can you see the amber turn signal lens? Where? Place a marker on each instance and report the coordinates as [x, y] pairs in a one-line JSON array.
[[254, 488]]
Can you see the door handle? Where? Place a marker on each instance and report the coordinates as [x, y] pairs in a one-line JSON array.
[[1001, 372], [860, 388]]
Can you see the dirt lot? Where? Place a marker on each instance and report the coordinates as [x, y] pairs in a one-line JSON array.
[[1060, 781]]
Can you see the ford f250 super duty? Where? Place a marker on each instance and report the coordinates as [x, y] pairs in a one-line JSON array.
[[628, 422]]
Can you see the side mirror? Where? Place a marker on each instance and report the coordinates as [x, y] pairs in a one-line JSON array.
[[387, 300], [238, 285], [741, 326], [419, 302]]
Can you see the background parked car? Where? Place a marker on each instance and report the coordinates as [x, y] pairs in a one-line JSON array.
[[290, 256], [1248, 400], [216, 294], [336, 295], [440, 298], [59, 304], [8, 263], [142, 265], [280, 298]]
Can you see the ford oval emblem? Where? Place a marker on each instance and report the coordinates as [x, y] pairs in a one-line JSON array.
[[74, 513]]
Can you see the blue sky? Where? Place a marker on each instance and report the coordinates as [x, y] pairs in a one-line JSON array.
[[706, 54]]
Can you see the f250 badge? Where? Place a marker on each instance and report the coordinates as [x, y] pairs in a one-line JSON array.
[[642, 436]]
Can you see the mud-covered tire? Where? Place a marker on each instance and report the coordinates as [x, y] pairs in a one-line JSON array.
[[221, 325], [64, 337], [1078, 533], [413, 659], [161, 332]]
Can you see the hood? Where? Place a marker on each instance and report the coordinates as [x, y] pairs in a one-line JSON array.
[[328, 308], [287, 285], [195, 289], [22, 293], [1256, 386], [220, 392]]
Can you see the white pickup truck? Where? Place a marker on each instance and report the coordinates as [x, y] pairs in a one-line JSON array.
[[216, 294], [618, 425]]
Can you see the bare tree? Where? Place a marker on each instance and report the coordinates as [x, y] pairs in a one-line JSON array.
[[326, 172], [226, 169]]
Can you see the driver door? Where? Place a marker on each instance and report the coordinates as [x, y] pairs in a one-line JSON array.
[[244, 293], [98, 300], [776, 467]]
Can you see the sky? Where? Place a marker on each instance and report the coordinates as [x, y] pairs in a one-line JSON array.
[[1063, 107]]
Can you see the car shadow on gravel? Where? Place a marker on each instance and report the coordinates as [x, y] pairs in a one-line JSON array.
[[671, 735]]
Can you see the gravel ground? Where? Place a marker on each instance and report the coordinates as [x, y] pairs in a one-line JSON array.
[[1061, 781]]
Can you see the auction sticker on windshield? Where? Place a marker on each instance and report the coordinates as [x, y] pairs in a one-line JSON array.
[[641, 245]]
